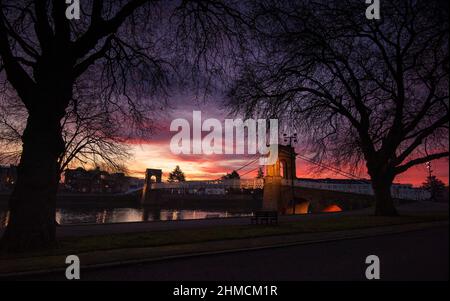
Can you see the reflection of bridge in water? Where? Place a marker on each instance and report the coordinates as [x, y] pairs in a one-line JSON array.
[[280, 189]]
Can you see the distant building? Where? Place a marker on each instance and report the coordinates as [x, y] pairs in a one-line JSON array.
[[400, 191], [8, 177], [98, 181]]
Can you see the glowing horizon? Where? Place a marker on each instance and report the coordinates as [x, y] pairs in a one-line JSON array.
[[154, 152], [209, 167]]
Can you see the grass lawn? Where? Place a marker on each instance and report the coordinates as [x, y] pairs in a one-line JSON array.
[[109, 248]]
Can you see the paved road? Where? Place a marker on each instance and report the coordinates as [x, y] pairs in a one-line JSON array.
[[418, 255]]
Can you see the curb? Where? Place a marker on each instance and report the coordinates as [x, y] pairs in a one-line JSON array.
[[422, 226]]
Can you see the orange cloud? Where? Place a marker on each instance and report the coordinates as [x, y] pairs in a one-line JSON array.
[[157, 154], [196, 167]]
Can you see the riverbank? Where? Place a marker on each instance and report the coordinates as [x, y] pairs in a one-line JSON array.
[[118, 248]]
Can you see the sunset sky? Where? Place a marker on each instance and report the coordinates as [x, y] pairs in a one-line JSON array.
[[155, 152]]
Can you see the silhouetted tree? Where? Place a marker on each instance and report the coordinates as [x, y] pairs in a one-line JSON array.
[[358, 90], [177, 175], [233, 175], [436, 188], [114, 58], [90, 138]]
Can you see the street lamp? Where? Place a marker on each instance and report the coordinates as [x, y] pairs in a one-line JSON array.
[[428, 165], [290, 140]]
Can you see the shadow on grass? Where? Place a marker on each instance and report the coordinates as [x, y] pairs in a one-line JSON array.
[[77, 245]]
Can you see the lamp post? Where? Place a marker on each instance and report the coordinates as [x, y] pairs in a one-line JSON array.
[[290, 140], [428, 164], [430, 179]]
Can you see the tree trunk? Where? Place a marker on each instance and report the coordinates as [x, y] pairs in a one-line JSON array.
[[384, 203], [33, 201]]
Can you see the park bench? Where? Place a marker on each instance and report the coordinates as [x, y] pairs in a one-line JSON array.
[[265, 217]]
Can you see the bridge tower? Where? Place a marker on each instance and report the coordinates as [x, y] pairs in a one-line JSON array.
[[148, 195], [278, 181]]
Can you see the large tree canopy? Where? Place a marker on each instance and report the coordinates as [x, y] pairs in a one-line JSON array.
[[109, 69], [358, 90]]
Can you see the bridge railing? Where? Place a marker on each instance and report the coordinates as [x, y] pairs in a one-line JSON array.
[[226, 184], [399, 191]]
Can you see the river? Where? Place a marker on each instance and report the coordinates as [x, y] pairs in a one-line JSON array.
[[86, 215]]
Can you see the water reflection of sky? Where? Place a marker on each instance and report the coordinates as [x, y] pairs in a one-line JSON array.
[[67, 216]]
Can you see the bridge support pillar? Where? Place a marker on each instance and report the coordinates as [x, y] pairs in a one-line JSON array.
[[150, 195], [277, 195], [272, 198]]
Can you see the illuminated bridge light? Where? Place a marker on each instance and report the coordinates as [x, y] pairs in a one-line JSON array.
[[332, 208]]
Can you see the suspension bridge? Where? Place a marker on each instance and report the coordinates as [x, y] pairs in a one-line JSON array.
[[280, 190]]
